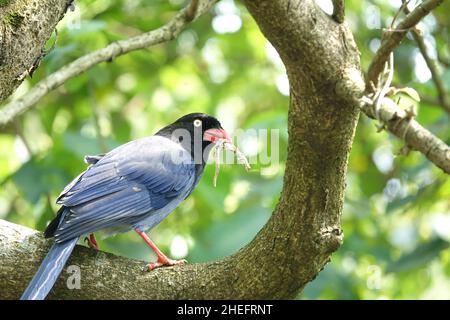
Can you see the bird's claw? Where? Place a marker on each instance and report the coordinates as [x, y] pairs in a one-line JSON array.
[[166, 262], [91, 242]]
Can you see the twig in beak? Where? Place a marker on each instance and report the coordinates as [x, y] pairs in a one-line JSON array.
[[224, 144]]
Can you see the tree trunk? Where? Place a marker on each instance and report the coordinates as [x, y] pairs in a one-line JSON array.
[[25, 27], [322, 62]]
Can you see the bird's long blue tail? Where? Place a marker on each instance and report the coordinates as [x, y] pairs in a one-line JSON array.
[[49, 271]]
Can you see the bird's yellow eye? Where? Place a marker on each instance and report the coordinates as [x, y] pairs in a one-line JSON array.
[[197, 123]]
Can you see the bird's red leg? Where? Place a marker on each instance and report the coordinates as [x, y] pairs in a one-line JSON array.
[[163, 260], [92, 242]]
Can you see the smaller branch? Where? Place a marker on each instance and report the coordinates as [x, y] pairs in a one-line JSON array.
[[113, 50], [392, 38], [435, 74], [191, 11], [400, 10], [338, 11], [401, 123], [432, 65]]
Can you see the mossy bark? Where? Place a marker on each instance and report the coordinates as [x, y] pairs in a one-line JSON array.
[[25, 27]]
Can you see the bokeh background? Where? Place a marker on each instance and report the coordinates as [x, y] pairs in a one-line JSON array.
[[397, 209]]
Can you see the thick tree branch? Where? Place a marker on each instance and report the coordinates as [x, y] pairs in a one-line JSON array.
[[392, 38], [25, 24], [113, 50], [103, 275], [322, 63]]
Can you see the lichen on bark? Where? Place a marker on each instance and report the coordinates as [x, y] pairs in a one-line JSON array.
[[25, 27]]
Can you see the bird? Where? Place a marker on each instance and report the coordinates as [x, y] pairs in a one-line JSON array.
[[132, 187]]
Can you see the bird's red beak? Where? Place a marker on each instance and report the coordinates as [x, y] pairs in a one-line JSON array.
[[214, 135]]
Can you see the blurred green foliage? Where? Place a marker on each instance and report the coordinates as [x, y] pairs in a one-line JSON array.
[[397, 212]]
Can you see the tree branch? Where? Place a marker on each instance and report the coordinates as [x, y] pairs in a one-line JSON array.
[[402, 124], [191, 11], [103, 275], [435, 74], [113, 50], [398, 121], [338, 10], [25, 24], [392, 38]]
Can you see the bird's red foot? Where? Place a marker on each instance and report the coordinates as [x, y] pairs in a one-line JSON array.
[[165, 262], [91, 241]]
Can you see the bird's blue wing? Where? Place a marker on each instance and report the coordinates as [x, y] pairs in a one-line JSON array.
[[131, 181]]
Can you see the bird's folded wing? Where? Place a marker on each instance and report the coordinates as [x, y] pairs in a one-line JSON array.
[[130, 181]]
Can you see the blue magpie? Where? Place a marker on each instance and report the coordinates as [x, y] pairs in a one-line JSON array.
[[132, 187]]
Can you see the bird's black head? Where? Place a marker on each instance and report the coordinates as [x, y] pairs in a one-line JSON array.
[[196, 132]]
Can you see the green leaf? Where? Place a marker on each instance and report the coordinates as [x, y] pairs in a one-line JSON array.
[[410, 92]]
